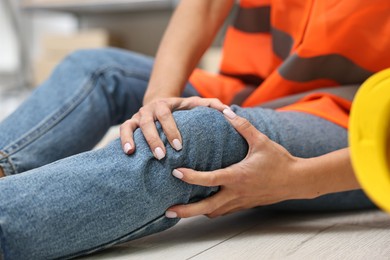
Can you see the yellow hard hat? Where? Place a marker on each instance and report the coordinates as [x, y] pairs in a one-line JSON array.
[[369, 137]]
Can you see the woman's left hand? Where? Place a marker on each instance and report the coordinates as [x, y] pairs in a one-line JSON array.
[[267, 175]]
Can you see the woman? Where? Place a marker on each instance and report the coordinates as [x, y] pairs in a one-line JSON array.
[[66, 202]]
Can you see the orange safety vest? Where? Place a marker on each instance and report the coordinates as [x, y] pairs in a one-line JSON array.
[[286, 47]]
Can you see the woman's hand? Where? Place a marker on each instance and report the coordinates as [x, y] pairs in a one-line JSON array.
[[161, 110], [265, 176]]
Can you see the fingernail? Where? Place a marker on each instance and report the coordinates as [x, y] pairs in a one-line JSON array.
[[170, 214], [177, 174], [127, 147], [177, 145], [229, 113], [159, 153]]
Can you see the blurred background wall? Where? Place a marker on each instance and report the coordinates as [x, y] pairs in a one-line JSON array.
[[37, 34], [8, 48]]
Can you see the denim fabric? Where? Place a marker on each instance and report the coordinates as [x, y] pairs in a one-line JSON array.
[[88, 201], [87, 93]]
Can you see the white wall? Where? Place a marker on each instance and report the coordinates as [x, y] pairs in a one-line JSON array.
[[8, 44], [46, 23], [36, 26]]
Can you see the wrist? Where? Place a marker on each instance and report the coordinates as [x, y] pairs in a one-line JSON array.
[[305, 184], [325, 174]]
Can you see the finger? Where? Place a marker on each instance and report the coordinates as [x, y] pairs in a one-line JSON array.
[[149, 130], [203, 207], [243, 126], [213, 103], [192, 102], [231, 207], [208, 179], [164, 116], [126, 131]]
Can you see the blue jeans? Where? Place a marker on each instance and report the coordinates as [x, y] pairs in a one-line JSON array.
[[67, 201]]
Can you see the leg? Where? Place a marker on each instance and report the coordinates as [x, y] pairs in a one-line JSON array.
[[87, 93], [97, 199]]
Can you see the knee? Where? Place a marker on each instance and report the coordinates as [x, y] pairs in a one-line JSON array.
[[201, 122], [207, 132], [104, 58]]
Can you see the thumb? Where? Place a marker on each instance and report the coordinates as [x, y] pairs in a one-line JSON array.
[[243, 126]]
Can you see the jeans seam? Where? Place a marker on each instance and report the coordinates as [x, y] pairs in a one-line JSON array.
[[8, 160], [53, 119], [112, 242]]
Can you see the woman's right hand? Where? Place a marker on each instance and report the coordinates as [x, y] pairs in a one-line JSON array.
[[161, 110]]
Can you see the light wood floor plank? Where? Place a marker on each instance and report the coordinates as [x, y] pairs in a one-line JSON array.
[[259, 234], [314, 236]]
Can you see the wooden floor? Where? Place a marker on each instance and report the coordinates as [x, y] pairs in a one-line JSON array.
[[259, 234]]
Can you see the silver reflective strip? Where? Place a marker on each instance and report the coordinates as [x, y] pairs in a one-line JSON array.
[[333, 66], [282, 43], [253, 20]]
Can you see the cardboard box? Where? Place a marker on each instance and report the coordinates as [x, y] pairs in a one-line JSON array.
[[42, 70], [55, 47]]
